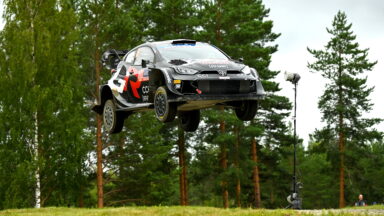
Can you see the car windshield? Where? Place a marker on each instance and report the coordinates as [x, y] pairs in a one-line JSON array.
[[190, 51]]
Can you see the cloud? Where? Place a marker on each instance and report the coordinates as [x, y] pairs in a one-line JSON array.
[[303, 24]]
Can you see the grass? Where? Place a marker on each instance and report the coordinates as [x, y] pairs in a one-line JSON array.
[[146, 211], [172, 211], [368, 207]]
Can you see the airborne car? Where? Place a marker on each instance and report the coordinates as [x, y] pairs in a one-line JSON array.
[[175, 78]]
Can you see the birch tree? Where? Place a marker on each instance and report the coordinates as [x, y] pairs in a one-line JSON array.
[[40, 95]]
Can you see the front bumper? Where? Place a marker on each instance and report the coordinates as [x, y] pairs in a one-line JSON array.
[[214, 84]]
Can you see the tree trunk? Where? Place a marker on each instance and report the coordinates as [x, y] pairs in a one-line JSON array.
[[223, 153], [223, 164], [99, 142], [341, 152], [256, 179], [183, 166], [99, 152], [81, 197], [238, 184], [341, 138], [35, 141], [36, 157]]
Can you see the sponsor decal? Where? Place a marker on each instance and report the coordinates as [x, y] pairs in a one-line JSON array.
[[215, 62], [145, 89], [135, 85], [202, 75], [225, 78], [218, 66]]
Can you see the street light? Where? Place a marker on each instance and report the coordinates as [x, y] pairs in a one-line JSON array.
[[294, 198]]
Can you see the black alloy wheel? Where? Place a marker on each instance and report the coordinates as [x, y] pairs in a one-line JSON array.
[[165, 111], [189, 120], [113, 121], [247, 110]]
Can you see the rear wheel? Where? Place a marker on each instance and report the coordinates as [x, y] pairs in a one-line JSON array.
[[113, 121], [190, 120], [247, 110], [165, 111]]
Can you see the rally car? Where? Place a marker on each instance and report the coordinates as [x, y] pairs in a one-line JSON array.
[[175, 78]]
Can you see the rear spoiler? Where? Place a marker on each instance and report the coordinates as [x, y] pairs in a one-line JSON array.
[[111, 58]]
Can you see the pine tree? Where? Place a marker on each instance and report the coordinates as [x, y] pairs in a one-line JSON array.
[[242, 30], [172, 19], [104, 25], [345, 98]]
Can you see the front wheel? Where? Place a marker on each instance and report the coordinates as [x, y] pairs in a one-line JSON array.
[[165, 111], [113, 121], [247, 110], [190, 120]]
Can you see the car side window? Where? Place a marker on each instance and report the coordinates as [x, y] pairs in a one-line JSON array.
[[144, 53], [130, 57]]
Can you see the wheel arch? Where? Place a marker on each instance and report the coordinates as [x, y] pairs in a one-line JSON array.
[[105, 93], [161, 77]]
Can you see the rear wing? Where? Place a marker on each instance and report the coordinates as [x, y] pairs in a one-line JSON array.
[[111, 58]]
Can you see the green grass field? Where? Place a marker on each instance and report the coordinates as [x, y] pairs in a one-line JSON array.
[[178, 211]]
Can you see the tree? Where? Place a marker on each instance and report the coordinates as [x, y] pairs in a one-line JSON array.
[[171, 19], [242, 30], [39, 65], [104, 24], [320, 187], [345, 98]]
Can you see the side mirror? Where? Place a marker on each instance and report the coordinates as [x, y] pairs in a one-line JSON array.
[[241, 59], [144, 63]]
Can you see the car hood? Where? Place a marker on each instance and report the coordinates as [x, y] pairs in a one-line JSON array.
[[208, 65]]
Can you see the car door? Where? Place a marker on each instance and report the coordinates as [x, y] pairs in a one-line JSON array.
[[124, 76], [140, 86]]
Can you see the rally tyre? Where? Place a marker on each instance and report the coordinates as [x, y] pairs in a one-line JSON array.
[[247, 110], [165, 111], [113, 121], [190, 120]]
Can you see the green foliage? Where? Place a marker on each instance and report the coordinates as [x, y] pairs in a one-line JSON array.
[[319, 184], [342, 63], [39, 75], [49, 67], [343, 104], [142, 161]]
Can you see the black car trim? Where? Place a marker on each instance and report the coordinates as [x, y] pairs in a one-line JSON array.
[[231, 97]]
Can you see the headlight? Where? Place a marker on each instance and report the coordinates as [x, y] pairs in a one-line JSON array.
[[246, 70], [185, 70]]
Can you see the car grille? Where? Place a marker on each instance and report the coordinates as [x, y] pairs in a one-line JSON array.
[[208, 87]]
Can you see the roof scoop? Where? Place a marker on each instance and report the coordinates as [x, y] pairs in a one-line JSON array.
[[184, 41]]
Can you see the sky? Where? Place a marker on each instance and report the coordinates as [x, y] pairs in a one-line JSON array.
[[302, 24], [1, 15]]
